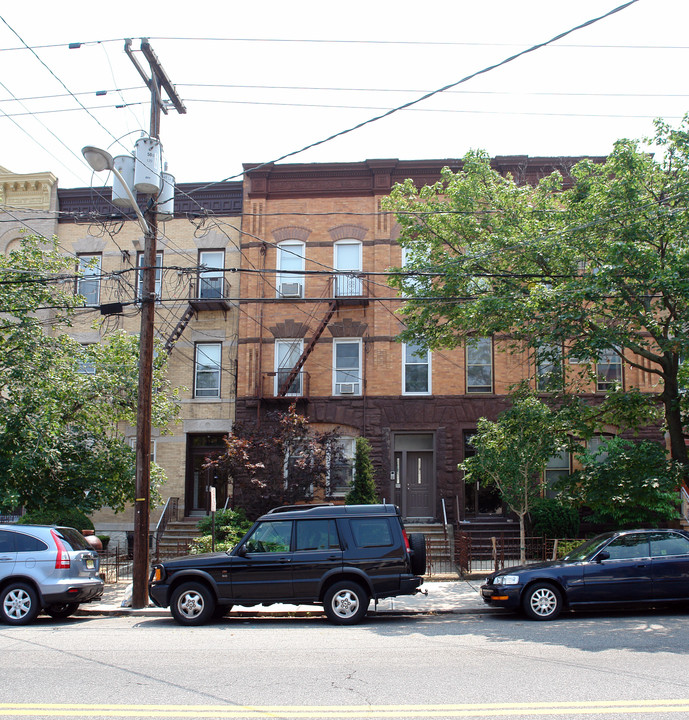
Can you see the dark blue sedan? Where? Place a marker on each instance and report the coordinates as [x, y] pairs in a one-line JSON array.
[[643, 567]]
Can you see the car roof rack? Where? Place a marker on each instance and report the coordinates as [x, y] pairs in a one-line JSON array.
[[296, 508]]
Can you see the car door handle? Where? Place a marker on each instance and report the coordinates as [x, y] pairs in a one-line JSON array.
[[333, 557]]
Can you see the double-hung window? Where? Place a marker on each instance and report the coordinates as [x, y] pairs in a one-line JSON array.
[[479, 363], [416, 369], [347, 367], [341, 468], [549, 371], [140, 275], [88, 283], [290, 277], [608, 370], [287, 352], [348, 259], [207, 364], [211, 279]]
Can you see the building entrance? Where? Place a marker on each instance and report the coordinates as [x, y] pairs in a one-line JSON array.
[[199, 479]]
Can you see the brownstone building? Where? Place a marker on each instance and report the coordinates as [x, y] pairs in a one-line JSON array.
[[318, 327]]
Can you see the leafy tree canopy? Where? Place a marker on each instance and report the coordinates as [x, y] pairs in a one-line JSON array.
[[601, 266], [62, 405], [626, 483]]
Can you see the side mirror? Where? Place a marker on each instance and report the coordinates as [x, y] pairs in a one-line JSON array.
[[242, 551], [602, 555]]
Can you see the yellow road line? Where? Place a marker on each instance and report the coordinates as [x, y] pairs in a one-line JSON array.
[[461, 710]]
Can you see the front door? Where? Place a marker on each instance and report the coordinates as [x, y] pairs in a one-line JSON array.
[[414, 468], [199, 479]]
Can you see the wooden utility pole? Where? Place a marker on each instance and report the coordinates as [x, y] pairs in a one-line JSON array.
[[158, 80]]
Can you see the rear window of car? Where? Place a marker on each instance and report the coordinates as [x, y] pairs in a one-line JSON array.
[[667, 544], [6, 541], [73, 538], [28, 543], [371, 532], [317, 535]]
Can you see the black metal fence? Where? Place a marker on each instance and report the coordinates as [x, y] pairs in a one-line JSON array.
[[115, 566]]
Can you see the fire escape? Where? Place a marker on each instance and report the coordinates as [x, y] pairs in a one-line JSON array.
[[345, 290], [205, 293]]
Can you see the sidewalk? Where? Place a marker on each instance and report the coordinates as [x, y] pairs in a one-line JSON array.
[[452, 596]]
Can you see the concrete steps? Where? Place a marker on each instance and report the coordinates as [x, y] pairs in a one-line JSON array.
[[481, 530], [177, 537], [439, 546]]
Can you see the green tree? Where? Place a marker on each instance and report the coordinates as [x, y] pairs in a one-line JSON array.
[[363, 490], [626, 483], [62, 405], [512, 452], [601, 267], [282, 461]]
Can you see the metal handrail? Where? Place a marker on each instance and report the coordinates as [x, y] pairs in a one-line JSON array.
[[684, 501], [170, 511]]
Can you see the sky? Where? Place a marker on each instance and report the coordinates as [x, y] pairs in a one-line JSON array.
[[264, 79]]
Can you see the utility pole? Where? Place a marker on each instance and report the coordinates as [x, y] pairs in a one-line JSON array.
[[158, 80]]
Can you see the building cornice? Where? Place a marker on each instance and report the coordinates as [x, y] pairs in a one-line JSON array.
[[31, 191]]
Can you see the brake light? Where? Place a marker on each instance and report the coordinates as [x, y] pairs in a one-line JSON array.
[[62, 561], [406, 540]]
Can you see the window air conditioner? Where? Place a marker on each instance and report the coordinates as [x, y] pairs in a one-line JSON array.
[[290, 290], [346, 388]]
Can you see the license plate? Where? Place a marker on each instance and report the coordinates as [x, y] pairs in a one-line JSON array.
[[90, 563]]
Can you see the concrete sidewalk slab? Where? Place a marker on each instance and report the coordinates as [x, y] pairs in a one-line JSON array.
[[454, 596]]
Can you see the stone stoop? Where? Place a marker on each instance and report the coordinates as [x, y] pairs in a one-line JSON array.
[[177, 537], [481, 530]]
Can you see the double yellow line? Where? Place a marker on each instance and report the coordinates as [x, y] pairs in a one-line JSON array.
[[455, 710]]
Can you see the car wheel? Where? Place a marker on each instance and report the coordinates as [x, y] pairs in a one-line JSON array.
[[19, 604], [61, 610], [345, 603], [417, 545], [542, 601], [192, 604]]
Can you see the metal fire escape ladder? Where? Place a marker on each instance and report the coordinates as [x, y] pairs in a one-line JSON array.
[[282, 391], [179, 329]]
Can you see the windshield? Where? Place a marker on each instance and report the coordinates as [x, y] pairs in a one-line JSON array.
[[590, 547]]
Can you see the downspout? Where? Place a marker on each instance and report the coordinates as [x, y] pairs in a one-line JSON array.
[[259, 373]]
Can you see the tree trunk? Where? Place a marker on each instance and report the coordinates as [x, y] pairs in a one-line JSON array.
[[673, 419], [522, 538]]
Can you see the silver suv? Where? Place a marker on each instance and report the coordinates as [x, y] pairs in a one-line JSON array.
[[45, 568]]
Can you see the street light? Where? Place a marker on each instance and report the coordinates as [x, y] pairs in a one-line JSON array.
[[101, 160]]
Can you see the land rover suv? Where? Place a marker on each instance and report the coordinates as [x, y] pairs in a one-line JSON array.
[[340, 557]]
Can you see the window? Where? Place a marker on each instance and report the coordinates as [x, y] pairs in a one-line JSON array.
[[594, 445], [479, 360], [347, 367], [555, 469], [28, 543], [416, 369], [414, 283], [341, 468], [668, 544], [371, 532], [316, 535], [290, 258], [348, 258], [207, 370], [608, 369], [628, 547], [88, 284], [287, 352], [85, 364], [549, 375], [211, 280], [272, 536], [140, 275]]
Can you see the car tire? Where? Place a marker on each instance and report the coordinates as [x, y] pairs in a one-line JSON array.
[[61, 610], [417, 545], [192, 604], [345, 603], [542, 601], [19, 604]]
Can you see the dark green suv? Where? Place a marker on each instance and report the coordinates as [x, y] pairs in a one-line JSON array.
[[340, 557]]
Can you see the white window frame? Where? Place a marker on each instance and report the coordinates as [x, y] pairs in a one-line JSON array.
[[349, 284], [208, 278], [346, 376], [479, 389], [546, 368], [210, 391], [607, 359], [290, 250], [406, 363], [293, 349], [140, 275], [90, 276], [348, 450]]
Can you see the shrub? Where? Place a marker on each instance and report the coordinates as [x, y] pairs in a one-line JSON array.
[[66, 518], [230, 527], [363, 490], [552, 519]]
